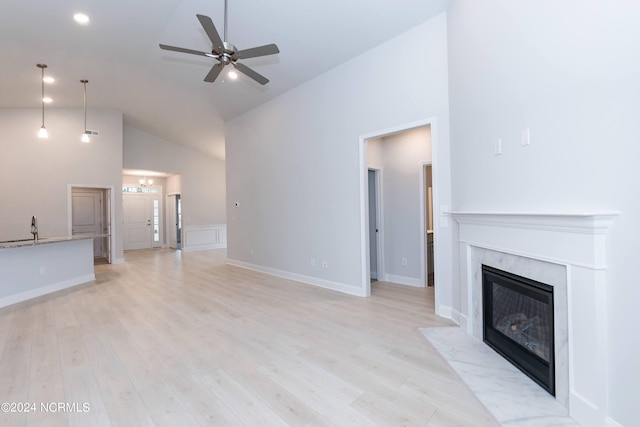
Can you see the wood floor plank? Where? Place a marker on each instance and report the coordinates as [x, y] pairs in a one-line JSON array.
[[169, 338]]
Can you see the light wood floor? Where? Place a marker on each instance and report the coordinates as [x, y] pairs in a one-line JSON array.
[[170, 339]]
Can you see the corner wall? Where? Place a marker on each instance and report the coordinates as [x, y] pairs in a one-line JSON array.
[[293, 163], [567, 71]]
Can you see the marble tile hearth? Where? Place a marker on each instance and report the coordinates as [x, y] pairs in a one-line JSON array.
[[509, 395]]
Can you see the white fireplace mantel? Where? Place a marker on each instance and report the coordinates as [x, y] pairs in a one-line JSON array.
[[570, 248], [584, 222]]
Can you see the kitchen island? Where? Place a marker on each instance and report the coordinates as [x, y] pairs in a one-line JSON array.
[[30, 268]]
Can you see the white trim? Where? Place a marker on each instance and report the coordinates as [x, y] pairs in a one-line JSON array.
[[364, 207], [322, 283], [576, 241], [34, 293], [204, 237], [447, 312], [579, 222], [404, 280]]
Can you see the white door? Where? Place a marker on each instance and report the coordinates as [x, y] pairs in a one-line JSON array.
[[172, 221], [87, 216], [142, 220], [137, 221]]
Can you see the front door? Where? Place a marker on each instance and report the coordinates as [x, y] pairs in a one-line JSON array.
[[137, 222]]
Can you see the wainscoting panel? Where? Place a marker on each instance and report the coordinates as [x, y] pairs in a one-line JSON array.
[[204, 237]]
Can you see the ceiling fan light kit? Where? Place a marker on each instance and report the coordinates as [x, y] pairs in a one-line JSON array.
[[225, 52]]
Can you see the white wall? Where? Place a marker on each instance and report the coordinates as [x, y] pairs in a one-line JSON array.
[[202, 178], [569, 72], [401, 157], [293, 163], [36, 173]]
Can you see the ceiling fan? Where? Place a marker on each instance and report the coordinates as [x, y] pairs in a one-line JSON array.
[[225, 52]]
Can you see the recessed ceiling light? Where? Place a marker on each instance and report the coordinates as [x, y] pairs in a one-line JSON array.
[[47, 100], [232, 75], [81, 18], [48, 79]]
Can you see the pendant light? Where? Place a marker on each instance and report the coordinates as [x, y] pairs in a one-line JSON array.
[[42, 133], [85, 134]]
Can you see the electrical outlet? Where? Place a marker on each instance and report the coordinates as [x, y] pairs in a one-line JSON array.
[[251, 252], [43, 271], [325, 264], [404, 261], [313, 262]]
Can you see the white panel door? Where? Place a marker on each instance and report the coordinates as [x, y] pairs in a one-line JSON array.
[[86, 214], [138, 229]]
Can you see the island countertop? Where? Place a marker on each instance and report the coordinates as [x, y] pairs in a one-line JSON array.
[[8, 244]]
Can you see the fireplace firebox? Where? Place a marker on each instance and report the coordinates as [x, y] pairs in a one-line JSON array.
[[518, 323]]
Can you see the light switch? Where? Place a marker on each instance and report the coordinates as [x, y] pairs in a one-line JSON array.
[[497, 147]]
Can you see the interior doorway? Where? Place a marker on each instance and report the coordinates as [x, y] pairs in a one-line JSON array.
[[174, 223], [91, 214], [427, 172], [405, 245], [375, 223]]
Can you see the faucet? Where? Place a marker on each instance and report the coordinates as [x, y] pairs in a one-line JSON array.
[[34, 227]]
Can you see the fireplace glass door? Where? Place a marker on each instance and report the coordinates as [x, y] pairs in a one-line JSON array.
[[518, 323]]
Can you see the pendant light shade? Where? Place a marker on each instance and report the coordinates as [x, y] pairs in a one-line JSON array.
[[42, 133], [85, 134]]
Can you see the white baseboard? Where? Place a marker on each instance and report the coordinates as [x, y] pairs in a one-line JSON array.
[[34, 293], [309, 280], [204, 247], [445, 311], [460, 319], [402, 280]]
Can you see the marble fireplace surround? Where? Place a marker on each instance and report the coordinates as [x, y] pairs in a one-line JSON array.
[[566, 251]]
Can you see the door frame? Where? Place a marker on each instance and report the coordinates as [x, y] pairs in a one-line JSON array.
[[377, 170], [110, 223], [172, 206], [364, 199]]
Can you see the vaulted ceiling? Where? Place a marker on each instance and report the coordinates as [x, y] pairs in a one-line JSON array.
[[163, 92]]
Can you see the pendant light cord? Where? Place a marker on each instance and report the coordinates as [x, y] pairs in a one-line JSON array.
[[84, 82], [42, 81]]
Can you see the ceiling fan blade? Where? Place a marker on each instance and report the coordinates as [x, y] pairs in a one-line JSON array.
[[211, 31], [251, 74], [214, 73], [183, 50], [267, 49]]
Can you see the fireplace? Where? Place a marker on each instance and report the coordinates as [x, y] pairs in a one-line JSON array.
[[568, 252], [518, 323]]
